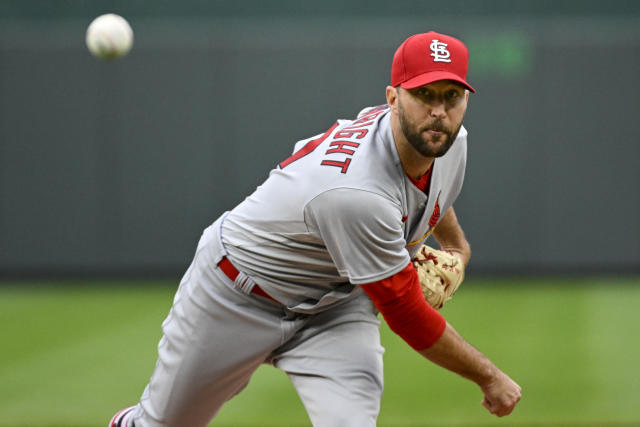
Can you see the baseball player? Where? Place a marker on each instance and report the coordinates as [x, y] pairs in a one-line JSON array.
[[296, 274]]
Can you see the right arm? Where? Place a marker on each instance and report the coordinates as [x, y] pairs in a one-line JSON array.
[[400, 301], [363, 233], [452, 352]]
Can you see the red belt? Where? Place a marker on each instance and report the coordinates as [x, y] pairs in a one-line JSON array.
[[231, 272]]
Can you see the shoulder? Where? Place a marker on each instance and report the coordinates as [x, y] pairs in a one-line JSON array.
[[352, 204], [351, 200], [458, 151], [461, 140], [463, 132], [372, 111]]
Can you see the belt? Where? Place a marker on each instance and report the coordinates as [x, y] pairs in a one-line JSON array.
[[231, 272]]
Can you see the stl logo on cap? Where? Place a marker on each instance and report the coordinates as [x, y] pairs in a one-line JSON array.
[[430, 57], [439, 51]]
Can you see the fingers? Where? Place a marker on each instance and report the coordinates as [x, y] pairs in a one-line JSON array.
[[498, 410], [504, 404]]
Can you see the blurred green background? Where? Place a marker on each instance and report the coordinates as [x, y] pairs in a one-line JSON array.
[[110, 171], [75, 353]]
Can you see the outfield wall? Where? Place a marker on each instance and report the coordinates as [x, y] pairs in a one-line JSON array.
[[116, 168]]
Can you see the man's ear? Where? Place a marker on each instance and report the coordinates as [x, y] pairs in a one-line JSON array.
[[392, 97]]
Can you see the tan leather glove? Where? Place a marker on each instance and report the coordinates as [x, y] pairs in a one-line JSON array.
[[440, 273]]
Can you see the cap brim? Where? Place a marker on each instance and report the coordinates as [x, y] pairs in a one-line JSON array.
[[434, 76]]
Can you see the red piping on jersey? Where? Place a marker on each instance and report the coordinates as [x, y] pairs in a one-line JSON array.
[[308, 147]]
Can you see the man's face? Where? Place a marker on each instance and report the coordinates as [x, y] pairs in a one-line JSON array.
[[430, 116]]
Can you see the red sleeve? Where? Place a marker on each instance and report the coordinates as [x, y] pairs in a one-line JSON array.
[[399, 298]]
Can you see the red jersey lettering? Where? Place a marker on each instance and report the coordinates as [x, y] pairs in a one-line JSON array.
[[340, 147], [342, 165], [348, 133]]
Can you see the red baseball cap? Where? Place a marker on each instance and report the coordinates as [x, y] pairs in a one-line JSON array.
[[429, 57]]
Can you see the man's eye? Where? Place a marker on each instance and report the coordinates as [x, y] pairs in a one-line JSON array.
[[452, 95]]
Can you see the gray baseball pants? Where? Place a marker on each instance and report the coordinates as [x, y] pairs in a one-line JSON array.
[[216, 336]]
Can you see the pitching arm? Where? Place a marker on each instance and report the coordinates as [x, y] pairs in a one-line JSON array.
[[452, 352], [399, 299]]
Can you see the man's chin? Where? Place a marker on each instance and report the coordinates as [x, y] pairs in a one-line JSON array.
[[435, 149]]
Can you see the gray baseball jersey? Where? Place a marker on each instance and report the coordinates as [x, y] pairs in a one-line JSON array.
[[339, 212]]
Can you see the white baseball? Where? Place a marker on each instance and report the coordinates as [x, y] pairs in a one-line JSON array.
[[109, 36]]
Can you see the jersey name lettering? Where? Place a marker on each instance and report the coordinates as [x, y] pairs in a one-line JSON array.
[[357, 130], [349, 133], [341, 149], [344, 165]]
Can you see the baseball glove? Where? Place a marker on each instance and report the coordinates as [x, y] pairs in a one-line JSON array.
[[440, 274]]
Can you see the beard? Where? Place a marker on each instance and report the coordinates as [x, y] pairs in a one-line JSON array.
[[413, 133]]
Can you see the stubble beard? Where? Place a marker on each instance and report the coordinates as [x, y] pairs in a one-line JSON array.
[[413, 134]]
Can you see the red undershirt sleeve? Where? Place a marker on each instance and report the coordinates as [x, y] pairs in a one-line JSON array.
[[400, 301]]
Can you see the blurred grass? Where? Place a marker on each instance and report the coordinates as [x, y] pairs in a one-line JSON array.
[[74, 353]]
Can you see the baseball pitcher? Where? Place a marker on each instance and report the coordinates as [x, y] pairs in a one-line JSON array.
[[296, 275]]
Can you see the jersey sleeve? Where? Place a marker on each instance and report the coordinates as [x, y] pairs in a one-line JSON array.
[[399, 298], [362, 232]]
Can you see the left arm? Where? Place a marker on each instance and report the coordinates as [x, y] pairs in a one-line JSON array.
[[450, 236]]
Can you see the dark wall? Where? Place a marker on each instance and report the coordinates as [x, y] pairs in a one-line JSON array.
[[115, 168]]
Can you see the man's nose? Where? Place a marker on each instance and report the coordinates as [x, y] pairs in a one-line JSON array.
[[437, 109]]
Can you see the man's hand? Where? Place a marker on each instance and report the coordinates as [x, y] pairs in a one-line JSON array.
[[501, 394], [452, 352]]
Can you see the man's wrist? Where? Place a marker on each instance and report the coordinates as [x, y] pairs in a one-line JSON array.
[[461, 255]]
